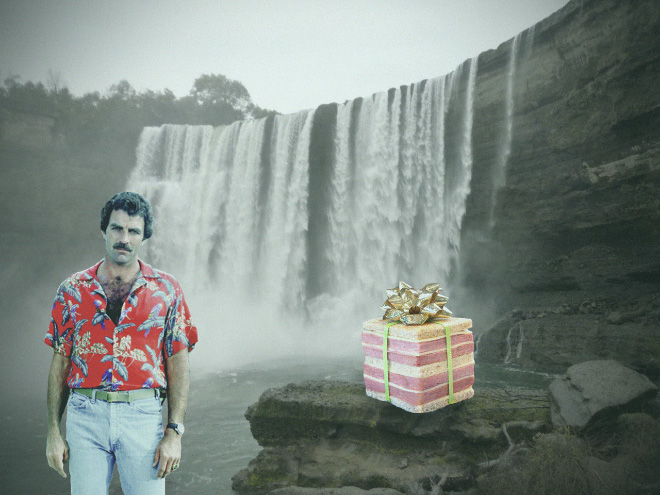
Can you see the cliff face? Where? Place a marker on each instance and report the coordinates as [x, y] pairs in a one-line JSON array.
[[572, 242], [328, 437], [330, 434]]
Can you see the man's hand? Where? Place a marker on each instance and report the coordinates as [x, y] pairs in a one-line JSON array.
[[57, 451], [168, 453]]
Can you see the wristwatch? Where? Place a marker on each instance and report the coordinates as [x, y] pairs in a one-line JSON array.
[[178, 427]]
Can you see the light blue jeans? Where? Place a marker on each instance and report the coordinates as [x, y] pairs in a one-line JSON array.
[[100, 433]]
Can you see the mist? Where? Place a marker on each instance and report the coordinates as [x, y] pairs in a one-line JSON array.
[[521, 175], [58, 175]]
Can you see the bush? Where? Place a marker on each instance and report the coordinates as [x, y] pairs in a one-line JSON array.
[[556, 465]]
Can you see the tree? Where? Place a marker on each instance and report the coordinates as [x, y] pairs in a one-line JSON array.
[[28, 97], [123, 91], [216, 89], [54, 82]]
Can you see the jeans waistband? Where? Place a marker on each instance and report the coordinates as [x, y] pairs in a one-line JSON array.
[[119, 396]]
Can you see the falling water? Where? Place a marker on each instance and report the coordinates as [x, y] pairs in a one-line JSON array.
[[529, 41], [499, 175], [509, 344], [459, 193], [237, 222]]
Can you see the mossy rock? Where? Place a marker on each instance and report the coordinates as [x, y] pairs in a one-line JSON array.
[[322, 410]]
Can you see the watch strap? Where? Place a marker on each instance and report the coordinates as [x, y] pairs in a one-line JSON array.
[[178, 427]]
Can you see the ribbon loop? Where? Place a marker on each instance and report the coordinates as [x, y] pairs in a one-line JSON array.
[[414, 307]]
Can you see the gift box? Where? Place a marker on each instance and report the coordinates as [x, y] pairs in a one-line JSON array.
[[419, 368]]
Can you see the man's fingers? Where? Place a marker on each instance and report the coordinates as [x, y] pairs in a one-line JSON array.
[[57, 452], [57, 465], [163, 461], [167, 467], [168, 454], [164, 467], [60, 469], [57, 455]]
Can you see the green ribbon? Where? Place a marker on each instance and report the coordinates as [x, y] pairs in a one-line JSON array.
[[450, 370], [386, 368]]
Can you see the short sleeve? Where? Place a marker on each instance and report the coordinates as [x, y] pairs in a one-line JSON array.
[[180, 332], [61, 328]]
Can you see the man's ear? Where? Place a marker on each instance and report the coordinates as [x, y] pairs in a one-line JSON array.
[[103, 235]]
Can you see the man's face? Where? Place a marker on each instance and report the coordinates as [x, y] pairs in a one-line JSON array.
[[123, 237]]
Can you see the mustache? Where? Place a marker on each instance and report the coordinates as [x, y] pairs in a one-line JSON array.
[[121, 245]]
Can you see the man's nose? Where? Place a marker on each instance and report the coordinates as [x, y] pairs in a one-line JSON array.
[[124, 237]]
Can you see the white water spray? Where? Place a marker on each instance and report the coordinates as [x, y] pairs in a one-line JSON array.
[[509, 344], [233, 221], [499, 176]]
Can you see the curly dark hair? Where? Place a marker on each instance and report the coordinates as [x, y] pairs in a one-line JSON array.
[[133, 204]]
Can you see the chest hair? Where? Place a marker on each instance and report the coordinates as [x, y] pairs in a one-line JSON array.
[[116, 290]]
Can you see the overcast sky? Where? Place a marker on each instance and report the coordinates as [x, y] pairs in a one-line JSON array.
[[289, 54]]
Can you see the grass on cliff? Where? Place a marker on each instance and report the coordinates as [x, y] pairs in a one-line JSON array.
[[556, 465], [565, 464]]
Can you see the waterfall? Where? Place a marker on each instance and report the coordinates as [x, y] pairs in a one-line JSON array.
[[509, 345], [266, 245], [499, 175], [459, 193], [529, 41]]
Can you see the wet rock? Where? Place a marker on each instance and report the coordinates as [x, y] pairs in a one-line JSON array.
[[615, 318], [557, 341], [346, 490], [377, 445], [597, 390], [628, 455]]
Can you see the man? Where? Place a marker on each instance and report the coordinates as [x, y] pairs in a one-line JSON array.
[[121, 332]]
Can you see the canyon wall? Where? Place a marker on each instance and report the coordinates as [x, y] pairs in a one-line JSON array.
[[572, 256]]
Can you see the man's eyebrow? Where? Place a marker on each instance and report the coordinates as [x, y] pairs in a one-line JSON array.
[[115, 224]]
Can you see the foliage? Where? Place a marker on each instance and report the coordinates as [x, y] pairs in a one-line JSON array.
[[116, 118], [556, 465], [212, 89], [90, 155], [28, 97]]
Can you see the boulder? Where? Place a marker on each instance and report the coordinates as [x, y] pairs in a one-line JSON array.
[[346, 490], [329, 434], [597, 390], [552, 338]]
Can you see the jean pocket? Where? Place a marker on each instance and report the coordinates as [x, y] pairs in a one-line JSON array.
[[148, 406], [78, 401]]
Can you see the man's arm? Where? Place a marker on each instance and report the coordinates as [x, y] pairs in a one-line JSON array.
[[168, 452], [57, 450]]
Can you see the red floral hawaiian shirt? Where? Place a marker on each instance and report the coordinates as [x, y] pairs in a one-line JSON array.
[[154, 324]]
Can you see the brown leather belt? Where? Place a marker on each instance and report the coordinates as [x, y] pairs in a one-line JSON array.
[[119, 396]]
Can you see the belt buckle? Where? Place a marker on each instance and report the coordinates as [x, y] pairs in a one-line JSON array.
[[112, 397]]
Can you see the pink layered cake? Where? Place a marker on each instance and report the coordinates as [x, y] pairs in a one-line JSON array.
[[419, 375]]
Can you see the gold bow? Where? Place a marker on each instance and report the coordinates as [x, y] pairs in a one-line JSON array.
[[414, 307]]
